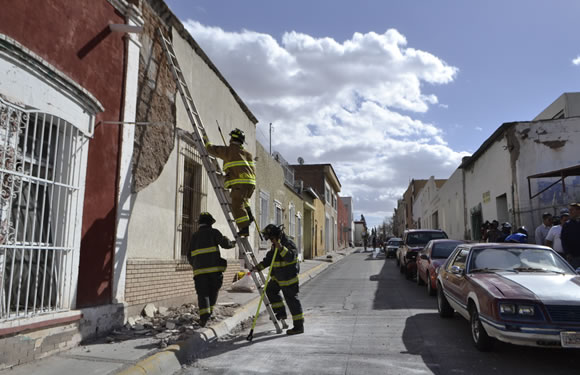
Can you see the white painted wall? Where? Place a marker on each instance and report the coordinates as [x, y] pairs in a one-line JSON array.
[[152, 230], [491, 172], [125, 198], [450, 205], [537, 157]]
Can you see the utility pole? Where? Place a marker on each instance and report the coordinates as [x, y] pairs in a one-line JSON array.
[[270, 138]]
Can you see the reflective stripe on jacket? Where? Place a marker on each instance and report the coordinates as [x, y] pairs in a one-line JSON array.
[[285, 267], [204, 254], [239, 165]]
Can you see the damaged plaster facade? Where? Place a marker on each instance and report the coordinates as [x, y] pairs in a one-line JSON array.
[[493, 185], [170, 187]]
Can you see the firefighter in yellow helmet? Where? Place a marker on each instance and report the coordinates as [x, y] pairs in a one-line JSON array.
[[240, 177], [208, 265]]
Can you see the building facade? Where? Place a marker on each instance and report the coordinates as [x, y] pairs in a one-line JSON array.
[[500, 181], [323, 179], [169, 185], [280, 201], [62, 98]]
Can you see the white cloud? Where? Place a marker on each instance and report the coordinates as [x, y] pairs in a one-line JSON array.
[[478, 128], [576, 61], [340, 102]]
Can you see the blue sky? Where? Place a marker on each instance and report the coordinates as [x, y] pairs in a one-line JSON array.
[[388, 90]]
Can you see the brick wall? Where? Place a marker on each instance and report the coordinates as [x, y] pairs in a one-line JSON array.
[[157, 280]]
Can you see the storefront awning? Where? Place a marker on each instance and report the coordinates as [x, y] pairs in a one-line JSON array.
[[561, 173]]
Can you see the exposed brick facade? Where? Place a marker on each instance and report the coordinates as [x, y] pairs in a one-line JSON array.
[[163, 281], [343, 226]]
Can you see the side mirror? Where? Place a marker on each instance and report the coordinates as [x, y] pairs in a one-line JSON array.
[[456, 270], [424, 256]]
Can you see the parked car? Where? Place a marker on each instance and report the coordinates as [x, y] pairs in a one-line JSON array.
[[414, 240], [430, 259], [517, 293], [392, 246]]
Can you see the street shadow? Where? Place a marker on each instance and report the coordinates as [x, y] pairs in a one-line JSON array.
[[446, 347], [239, 341], [394, 291]]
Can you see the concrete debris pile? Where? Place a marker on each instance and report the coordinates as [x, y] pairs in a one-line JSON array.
[[169, 325]]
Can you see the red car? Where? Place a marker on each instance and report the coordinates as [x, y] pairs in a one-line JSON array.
[[430, 259], [516, 293]]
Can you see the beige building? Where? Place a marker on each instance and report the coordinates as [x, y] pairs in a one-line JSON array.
[[279, 201], [323, 180]]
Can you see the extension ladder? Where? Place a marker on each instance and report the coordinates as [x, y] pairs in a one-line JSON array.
[[214, 171]]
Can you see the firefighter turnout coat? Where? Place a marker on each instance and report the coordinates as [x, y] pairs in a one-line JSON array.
[[239, 165], [285, 267], [204, 253]]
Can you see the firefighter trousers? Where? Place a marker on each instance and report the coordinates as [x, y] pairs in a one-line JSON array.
[[241, 195], [290, 296], [207, 287]]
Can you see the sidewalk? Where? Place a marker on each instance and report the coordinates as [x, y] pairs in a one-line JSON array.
[[143, 356]]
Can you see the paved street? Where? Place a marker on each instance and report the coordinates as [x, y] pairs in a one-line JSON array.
[[363, 317]]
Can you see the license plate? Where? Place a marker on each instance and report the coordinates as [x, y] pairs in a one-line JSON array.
[[570, 339]]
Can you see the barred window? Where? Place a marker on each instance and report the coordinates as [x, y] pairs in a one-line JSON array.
[[40, 204], [192, 191]]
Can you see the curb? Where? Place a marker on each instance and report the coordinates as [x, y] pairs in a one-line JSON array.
[[170, 359]]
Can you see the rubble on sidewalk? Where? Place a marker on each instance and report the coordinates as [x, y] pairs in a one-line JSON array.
[[168, 325]]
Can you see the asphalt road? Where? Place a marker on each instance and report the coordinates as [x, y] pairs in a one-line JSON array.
[[363, 317]]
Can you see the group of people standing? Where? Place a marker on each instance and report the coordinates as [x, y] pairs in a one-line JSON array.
[[562, 233], [204, 246]]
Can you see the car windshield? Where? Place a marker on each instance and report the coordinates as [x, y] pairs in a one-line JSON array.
[[422, 238], [517, 259], [394, 243], [442, 250]]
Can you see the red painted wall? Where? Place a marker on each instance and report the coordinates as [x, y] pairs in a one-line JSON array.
[[342, 218], [73, 36]]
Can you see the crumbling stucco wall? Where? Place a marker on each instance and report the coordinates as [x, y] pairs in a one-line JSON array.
[[544, 146], [155, 103]]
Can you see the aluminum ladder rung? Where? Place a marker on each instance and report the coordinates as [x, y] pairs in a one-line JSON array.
[[213, 169]]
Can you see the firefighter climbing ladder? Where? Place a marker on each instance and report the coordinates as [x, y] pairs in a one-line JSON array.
[[213, 170]]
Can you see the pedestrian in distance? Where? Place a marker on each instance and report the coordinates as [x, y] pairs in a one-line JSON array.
[[240, 178], [494, 233], [553, 239], [543, 229], [506, 230], [284, 277], [485, 231], [570, 236], [208, 265]]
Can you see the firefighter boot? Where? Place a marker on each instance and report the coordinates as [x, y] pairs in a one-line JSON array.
[[297, 329], [244, 232]]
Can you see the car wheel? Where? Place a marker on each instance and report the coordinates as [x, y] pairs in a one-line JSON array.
[[445, 309], [419, 280], [481, 339], [430, 290]]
